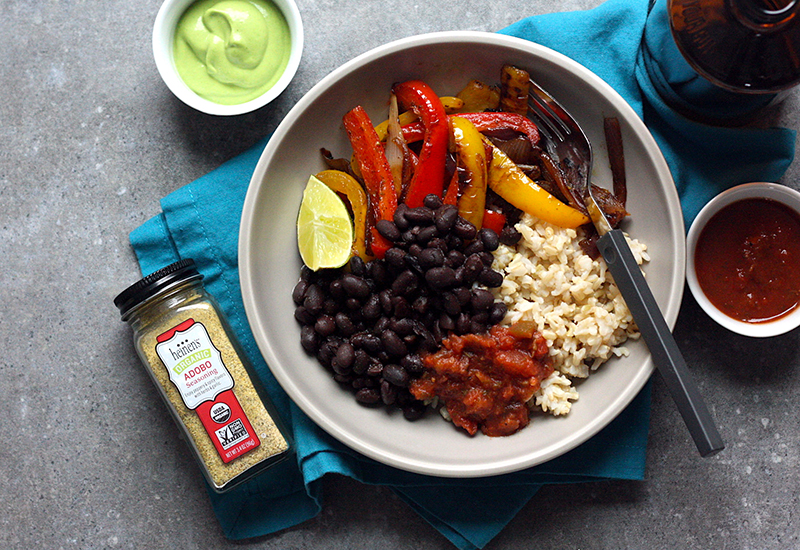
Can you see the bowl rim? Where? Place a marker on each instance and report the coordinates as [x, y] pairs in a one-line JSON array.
[[164, 35], [675, 283], [776, 191]]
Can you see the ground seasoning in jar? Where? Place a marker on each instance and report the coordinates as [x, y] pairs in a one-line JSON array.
[[192, 356]]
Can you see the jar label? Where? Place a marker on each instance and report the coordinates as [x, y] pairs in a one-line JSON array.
[[196, 369]]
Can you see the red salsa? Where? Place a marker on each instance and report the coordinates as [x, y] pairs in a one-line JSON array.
[[748, 260], [485, 380]]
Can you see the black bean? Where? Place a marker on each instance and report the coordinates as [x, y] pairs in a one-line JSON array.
[[393, 344], [455, 258], [345, 354], [472, 268], [331, 307], [510, 236], [425, 235], [451, 304], [353, 304], [345, 324], [491, 278], [355, 286], [446, 323], [388, 393], [421, 305], [403, 326], [303, 316], [440, 277], [314, 299], [325, 325], [489, 239], [376, 269], [414, 410], [357, 266], [413, 363], [454, 241], [413, 262], [401, 307], [405, 283], [371, 343], [361, 361], [388, 230], [372, 308], [464, 295], [481, 317], [440, 243], [473, 247], [463, 323], [385, 297], [394, 257], [481, 299], [380, 325], [487, 257], [432, 201], [299, 292], [421, 215], [336, 290], [431, 257], [306, 273], [368, 396], [395, 375], [464, 229], [497, 313], [399, 217], [309, 339], [445, 217], [375, 368]]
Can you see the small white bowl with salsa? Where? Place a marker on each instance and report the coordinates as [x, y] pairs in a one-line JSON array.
[[227, 57], [743, 259]]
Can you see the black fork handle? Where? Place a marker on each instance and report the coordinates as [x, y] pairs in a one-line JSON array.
[[658, 337]]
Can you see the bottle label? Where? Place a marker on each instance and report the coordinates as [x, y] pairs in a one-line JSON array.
[[196, 369]]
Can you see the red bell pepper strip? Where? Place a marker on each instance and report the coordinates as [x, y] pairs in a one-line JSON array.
[[494, 220], [377, 175], [430, 172], [451, 196], [484, 122]]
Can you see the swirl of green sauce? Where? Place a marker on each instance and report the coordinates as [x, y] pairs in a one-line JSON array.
[[231, 51]]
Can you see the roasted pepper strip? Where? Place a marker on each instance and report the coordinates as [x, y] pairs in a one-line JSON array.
[[494, 220], [347, 185], [450, 104], [507, 180], [472, 157], [430, 172], [484, 122], [487, 122], [376, 173]]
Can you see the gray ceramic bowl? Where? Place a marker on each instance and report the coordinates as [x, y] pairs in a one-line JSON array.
[[269, 263]]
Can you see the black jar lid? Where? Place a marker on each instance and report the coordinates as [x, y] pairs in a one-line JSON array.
[[150, 285]]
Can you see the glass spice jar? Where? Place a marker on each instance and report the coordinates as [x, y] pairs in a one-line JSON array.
[[190, 352]]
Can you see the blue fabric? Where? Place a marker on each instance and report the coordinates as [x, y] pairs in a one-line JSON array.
[[201, 221]]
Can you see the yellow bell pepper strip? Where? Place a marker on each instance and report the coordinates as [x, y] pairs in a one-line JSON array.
[[375, 171], [429, 175], [345, 184], [510, 182], [471, 154]]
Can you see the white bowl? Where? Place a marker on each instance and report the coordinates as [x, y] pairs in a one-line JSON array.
[[774, 191], [269, 262], [164, 37]]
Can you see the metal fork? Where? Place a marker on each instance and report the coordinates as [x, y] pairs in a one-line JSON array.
[[564, 139]]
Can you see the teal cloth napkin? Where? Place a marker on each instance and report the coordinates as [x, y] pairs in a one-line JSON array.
[[201, 221]]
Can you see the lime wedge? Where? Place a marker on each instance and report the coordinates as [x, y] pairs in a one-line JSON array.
[[324, 228]]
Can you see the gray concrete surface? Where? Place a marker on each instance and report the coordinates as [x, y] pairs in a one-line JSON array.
[[91, 139]]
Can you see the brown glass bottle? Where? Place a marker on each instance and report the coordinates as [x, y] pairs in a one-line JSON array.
[[744, 46]]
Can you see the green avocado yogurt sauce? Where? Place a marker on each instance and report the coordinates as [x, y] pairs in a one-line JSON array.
[[231, 51]]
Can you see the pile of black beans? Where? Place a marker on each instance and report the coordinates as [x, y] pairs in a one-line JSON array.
[[369, 322]]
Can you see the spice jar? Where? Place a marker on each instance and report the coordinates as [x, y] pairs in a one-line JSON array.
[[190, 352]]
